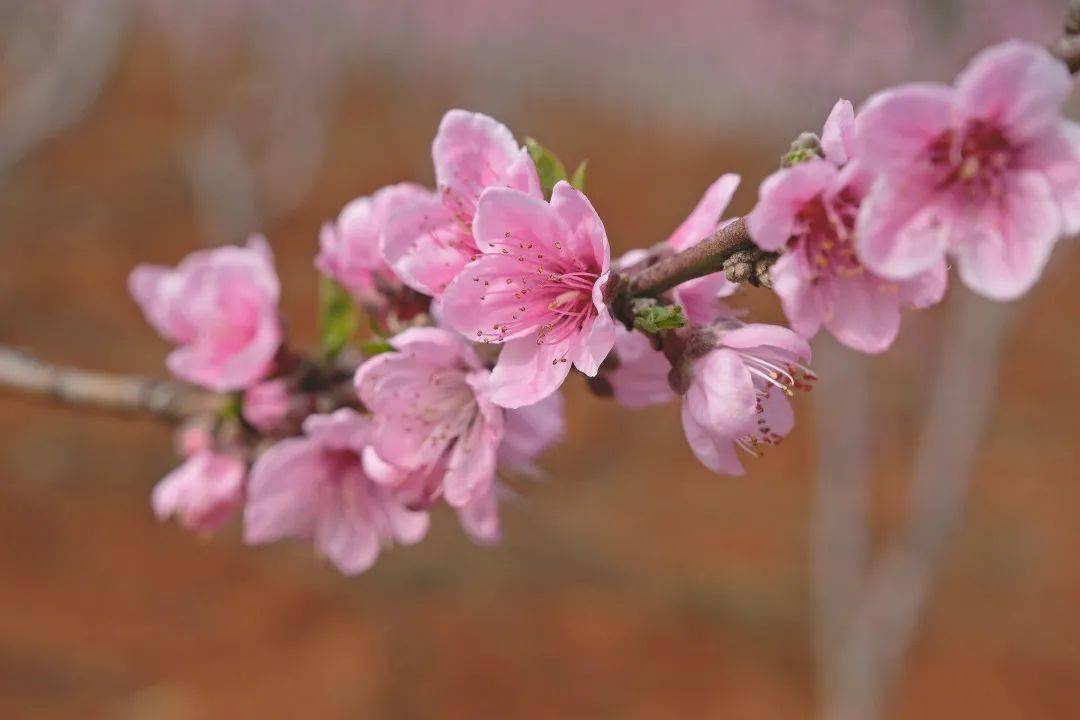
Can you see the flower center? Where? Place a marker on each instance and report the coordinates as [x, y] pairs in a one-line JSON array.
[[974, 159], [824, 231], [771, 371]]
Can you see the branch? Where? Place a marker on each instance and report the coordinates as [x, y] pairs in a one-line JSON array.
[[705, 258], [22, 374]]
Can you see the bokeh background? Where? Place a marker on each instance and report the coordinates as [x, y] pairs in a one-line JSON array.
[[632, 583]]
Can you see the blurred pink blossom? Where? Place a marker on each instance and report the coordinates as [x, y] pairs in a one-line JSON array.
[[220, 307], [267, 405], [808, 211], [640, 375], [432, 412], [349, 247], [538, 288], [986, 172], [529, 431], [204, 492], [430, 240], [315, 487], [737, 392]]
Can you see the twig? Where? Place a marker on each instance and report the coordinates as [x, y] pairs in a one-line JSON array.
[[705, 258], [171, 400]]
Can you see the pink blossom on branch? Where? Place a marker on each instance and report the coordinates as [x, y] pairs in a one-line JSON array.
[[809, 211], [986, 172], [538, 287], [221, 307], [432, 412], [430, 240], [315, 487], [738, 390], [349, 247], [204, 492]]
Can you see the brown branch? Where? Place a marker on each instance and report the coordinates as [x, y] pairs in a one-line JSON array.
[[171, 400], [705, 258]]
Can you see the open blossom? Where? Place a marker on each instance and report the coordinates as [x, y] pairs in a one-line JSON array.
[[738, 390], [349, 247], [221, 307], [987, 172], [315, 487], [432, 412], [204, 492], [809, 212], [430, 240], [538, 288], [700, 297]]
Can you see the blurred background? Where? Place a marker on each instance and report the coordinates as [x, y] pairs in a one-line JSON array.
[[632, 583]]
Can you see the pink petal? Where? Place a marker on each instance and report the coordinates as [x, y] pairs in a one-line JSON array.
[[705, 217], [436, 346], [721, 397], [804, 302], [530, 430], [896, 126], [472, 152], [777, 413], [470, 469], [508, 219], [641, 377], [594, 343], [1002, 256], [282, 492], [345, 532], [865, 313], [838, 135], [426, 246], [902, 230], [484, 297], [781, 197], [521, 175], [1016, 85], [715, 452], [587, 238], [1056, 155], [700, 298], [480, 518], [925, 289], [526, 373], [755, 335]]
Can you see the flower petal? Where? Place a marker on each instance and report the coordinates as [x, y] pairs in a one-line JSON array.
[[282, 492], [838, 135], [715, 452], [895, 126], [526, 372], [865, 313], [471, 152], [721, 396], [804, 302], [781, 198], [755, 335], [426, 246], [1016, 85], [588, 242], [705, 217]]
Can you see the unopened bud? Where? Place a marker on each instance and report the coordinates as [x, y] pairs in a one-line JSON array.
[[805, 147]]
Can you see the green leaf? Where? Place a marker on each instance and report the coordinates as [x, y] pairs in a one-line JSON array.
[[376, 346], [339, 317], [548, 166], [232, 408], [655, 318], [578, 180]]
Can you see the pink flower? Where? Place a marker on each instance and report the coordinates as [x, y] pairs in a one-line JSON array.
[[220, 307], [203, 492], [737, 392], [349, 248], [432, 413], [431, 240], [987, 172], [538, 288], [808, 211], [700, 297], [640, 377], [272, 407], [315, 487]]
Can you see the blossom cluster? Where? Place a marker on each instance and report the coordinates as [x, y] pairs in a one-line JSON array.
[[490, 288]]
